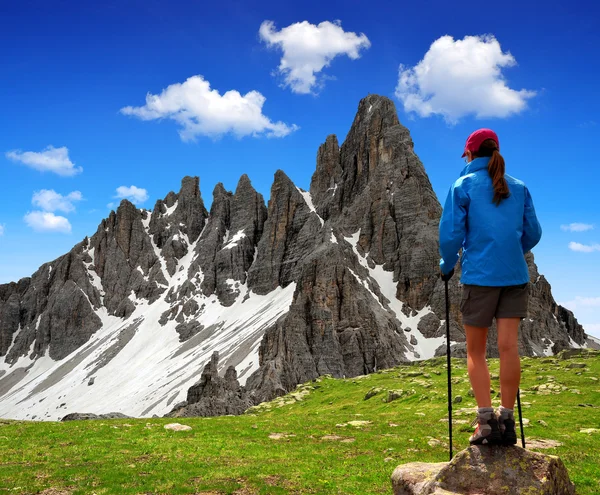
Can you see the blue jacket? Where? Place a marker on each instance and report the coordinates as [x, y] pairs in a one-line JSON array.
[[493, 238]]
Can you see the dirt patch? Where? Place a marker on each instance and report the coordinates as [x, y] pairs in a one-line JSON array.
[[56, 491]]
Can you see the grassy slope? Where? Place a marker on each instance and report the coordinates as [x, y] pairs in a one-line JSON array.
[[228, 455]]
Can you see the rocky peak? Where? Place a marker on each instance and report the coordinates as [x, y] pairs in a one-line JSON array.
[[327, 178], [214, 395], [288, 237], [190, 211]]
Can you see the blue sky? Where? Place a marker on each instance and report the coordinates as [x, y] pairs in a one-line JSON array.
[[76, 124]]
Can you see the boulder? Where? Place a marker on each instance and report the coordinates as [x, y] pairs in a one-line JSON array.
[[485, 470]]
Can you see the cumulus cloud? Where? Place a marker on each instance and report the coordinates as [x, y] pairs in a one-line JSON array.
[[576, 227], [309, 48], [50, 159], [583, 248], [134, 194], [50, 200], [44, 221], [202, 111], [461, 77]]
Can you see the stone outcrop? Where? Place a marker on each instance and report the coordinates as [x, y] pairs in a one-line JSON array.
[[214, 395], [88, 416], [489, 470]]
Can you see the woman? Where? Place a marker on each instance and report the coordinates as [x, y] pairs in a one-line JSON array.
[[490, 215]]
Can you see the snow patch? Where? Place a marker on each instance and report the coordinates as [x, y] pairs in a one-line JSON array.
[[234, 240], [308, 200], [171, 209]]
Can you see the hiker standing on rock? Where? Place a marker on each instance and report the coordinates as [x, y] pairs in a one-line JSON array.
[[490, 215]]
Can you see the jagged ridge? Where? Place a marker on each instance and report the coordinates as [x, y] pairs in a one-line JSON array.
[[342, 280]]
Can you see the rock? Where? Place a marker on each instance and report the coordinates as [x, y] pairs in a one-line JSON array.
[[359, 423], [373, 392], [214, 395], [541, 443], [485, 470], [576, 365], [87, 416], [280, 436], [91, 381], [543, 423], [589, 431], [177, 427], [458, 399]]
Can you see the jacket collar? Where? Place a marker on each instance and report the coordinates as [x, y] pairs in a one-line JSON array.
[[475, 165]]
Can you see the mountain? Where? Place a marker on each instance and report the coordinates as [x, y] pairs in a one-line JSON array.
[[342, 279]]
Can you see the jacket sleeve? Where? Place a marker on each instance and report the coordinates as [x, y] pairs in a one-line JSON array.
[[532, 230], [453, 226]]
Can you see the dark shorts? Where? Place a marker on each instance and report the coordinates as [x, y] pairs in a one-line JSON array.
[[480, 305]]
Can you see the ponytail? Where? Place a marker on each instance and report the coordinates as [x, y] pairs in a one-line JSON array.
[[496, 169]]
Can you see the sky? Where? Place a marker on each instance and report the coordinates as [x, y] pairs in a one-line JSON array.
[[121, 99]]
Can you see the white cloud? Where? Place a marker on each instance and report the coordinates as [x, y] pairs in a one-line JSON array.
[[134, 194], [51, 159], [43, 221], [202, 111], [50, 200], [583, 248], [582, 302], [1, 229], [461, 77], [576, 227], [308, 49]]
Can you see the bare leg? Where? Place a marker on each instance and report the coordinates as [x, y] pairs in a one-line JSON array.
[[510, 363], [477, 364]]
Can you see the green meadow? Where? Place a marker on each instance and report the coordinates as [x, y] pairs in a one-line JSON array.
[[326, 437]]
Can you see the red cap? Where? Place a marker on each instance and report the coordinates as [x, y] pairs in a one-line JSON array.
[[479, 136]]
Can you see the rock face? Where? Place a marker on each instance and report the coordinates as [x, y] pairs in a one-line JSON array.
[[214, 395], [87, 416], [342, 279], [489, 470]]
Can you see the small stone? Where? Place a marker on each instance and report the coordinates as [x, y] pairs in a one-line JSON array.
[[589, 431], [458, 399], [543, 423], [541, 443], [331, 437], [470, 393], [433, 442], [373, 391], [388, 459], [177, 427], [359, 424], [576, 365]]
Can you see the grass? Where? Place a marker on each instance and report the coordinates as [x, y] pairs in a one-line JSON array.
[[236, 454]]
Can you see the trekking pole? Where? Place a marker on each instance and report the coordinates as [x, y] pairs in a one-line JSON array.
[[520, 417], [450, 370]]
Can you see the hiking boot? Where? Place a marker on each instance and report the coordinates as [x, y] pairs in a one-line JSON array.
[[487, 431], [506, 425]]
